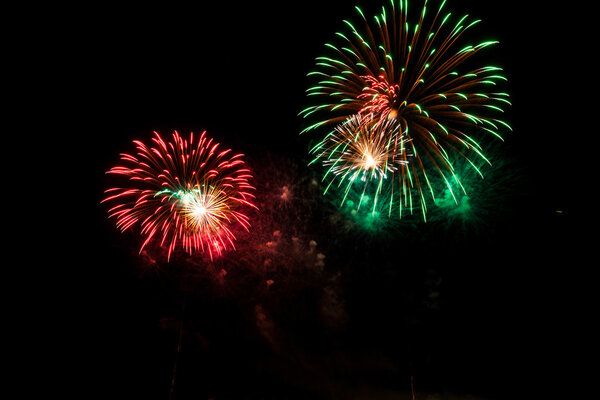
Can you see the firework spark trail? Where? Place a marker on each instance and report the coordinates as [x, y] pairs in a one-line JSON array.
[[404, 75], [183, 192]]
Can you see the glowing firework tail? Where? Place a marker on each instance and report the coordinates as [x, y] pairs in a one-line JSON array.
[[182, 192], [412, 81]]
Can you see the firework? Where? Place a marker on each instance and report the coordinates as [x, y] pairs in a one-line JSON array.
[[362, 149], [412, 81], [184, 193]]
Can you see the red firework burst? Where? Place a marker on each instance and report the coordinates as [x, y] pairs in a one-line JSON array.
[[183, 192]]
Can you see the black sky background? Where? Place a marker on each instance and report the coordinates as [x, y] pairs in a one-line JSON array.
[[507, 325]]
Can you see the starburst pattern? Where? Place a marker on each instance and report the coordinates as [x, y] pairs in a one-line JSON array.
[[183, 192], [414, 81], [362, 150]]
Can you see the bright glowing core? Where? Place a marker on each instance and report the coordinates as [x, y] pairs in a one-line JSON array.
[[370, 161], [199, 211]]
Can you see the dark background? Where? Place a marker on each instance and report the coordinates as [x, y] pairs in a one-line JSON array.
[[508, 312]]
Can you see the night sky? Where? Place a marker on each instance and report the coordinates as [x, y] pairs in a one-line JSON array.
[[483, 311]]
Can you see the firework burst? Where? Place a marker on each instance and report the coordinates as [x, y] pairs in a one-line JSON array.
[[183, 192], [413, 83], [362, 149]]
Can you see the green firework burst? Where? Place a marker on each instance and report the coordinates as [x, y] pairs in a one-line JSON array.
[[405, 85]]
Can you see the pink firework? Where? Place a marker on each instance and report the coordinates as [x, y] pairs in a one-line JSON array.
[[182, 193]]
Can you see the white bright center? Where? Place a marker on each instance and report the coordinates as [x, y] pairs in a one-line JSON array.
[[199, 211], [370, 162]]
